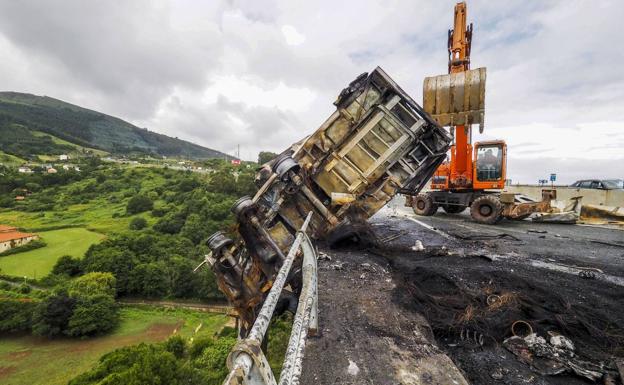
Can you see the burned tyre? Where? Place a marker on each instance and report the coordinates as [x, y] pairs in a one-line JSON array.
[[486, 209], [453, 209], [423, 205]]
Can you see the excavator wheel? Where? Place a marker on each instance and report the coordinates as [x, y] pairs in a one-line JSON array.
[[423, 205], [453, 209], [486, 209]]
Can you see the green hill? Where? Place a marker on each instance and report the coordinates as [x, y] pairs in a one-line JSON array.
[[23, 117]]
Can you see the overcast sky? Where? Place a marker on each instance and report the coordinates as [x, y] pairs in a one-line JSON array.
[[263, 74]]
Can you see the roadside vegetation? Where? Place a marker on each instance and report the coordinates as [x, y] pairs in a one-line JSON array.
[[32, 360], [111, 232]]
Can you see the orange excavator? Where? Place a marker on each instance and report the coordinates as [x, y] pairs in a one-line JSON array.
[[475, 174]]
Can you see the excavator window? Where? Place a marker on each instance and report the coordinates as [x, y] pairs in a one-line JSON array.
[[489, 163]]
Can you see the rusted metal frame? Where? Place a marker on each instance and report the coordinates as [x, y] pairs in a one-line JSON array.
[[247, 362], [408, 100], [264, 317], [324, 211]]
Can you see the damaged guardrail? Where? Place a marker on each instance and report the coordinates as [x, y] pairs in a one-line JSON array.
[[247, 362]]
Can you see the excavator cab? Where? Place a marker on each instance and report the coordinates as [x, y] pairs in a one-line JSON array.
[[490, 162]]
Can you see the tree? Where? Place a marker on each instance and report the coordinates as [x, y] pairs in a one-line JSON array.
[[138, 204], [138, 223], [222, 182], [93, 314], [107, 256], [94, 283], [138, 365], [53, 313], [67, 265], [194, 228], [147, 280], [214, 359], [266, 156], [16, 315], [176, 345]]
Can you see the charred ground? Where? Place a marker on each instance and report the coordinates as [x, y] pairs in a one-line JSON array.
[[464, 295]]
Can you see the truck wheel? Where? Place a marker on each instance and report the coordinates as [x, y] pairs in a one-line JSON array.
[[486, 209], [453, 209], [423, 205]]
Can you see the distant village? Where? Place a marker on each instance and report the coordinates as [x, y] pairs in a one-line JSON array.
[[49, 168]]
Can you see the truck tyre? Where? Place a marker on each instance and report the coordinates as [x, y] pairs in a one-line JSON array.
[[423, 205], [453, 209], [486, 209]]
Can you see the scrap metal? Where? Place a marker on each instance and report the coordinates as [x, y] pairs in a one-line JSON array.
[[378, 142]]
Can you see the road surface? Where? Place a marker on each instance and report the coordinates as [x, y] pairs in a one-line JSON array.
[[395, 314]]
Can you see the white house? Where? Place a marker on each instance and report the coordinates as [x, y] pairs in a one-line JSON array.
[[10, 238], [63, 157], [24, 169]]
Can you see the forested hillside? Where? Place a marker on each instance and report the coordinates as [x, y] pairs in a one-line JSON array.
[[22, 116]]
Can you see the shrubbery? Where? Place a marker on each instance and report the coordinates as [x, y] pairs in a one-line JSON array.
[[67, 265], [138, 204], [166, 363], [138, 223], [16, 314], [152, 265], [85, 307]]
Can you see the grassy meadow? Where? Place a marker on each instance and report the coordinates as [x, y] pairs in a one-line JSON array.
[[39, 262], [30, 360]]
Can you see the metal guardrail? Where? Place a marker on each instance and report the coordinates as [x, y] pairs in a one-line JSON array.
[[247, 362]]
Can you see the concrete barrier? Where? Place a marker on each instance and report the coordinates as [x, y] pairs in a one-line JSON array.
[[613, 198]]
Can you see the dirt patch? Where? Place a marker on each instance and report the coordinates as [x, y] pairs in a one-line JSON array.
[[16, 356], [6, 371], [161, 331]]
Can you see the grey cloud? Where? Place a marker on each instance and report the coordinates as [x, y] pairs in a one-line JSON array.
[[549, 62], [124, 51]]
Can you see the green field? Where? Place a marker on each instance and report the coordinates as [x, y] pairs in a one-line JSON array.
[[10, 160], [95, 215], [29, 360], [39, 262], [78, 150]]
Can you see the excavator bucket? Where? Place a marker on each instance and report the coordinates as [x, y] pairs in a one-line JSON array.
[[456, 99]]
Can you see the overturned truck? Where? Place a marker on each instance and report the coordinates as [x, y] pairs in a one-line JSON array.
[[378, 142]]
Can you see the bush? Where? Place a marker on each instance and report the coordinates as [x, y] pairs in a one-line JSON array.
[[140, 364], [138, 204], [138, 223], [16, 314], [24, 288], [176, 345], [52, 315], [94, 283], [95, 314], [67, 265]]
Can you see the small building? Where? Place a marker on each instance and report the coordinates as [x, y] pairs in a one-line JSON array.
[[63, 157], [68, 167], [10, 238], [25, 170], [20, 198], [52, 170]]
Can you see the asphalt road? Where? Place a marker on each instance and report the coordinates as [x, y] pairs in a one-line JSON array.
[[549, 243]]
